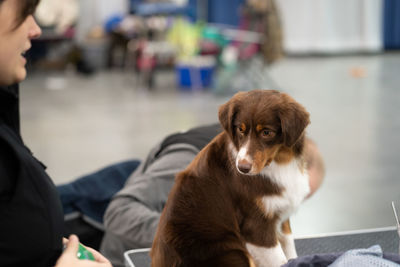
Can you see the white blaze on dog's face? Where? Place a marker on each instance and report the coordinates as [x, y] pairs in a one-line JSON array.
[[264, 126], [257, 146]]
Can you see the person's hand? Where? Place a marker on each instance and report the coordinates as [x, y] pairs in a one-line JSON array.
[[315, 165], [68, 258]]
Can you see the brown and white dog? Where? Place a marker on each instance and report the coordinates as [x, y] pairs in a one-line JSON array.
[[231, 205]]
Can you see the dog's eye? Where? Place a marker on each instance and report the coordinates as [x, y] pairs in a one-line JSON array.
[[241, 129], [267, 133]]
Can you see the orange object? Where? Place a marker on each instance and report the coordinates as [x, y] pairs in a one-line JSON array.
[[358, 72]]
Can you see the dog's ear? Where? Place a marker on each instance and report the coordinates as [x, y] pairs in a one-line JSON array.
[[227, 111], [225, 115], [294, 119]]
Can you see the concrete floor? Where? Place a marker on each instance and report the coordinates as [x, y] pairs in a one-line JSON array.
[[76, 125]]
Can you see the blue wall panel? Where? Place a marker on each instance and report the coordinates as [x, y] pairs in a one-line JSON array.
[[224, 12], [391, 24], [219, 11]]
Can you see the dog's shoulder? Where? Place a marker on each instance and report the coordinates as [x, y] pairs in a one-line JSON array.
[[213, 158]]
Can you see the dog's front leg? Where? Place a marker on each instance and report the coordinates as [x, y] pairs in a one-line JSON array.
[[267, 257], [287, 241]]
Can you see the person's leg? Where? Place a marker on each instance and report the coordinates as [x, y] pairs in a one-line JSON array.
[[85, 200], [97, 188]]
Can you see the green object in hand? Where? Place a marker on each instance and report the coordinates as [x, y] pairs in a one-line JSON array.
[[84, 254]]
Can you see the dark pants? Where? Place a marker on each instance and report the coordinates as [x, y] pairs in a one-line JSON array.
[[85, 200]]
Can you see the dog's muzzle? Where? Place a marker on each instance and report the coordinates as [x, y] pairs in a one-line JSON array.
[[244, 166]]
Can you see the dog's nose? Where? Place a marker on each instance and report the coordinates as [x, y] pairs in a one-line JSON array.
[[244, 166]]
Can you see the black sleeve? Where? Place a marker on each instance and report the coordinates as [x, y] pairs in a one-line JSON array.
[[8, 170]]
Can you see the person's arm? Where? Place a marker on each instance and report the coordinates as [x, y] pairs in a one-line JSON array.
[[134, 213], [132, 222]]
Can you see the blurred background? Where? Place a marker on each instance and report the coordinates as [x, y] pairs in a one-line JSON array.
[[109, 79]]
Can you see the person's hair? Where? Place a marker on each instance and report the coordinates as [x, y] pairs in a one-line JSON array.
[[26, 8]]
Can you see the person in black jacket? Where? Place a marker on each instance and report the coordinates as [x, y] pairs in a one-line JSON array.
[[31, 216]]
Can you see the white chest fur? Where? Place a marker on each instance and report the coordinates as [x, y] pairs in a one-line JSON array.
[[295, 184]]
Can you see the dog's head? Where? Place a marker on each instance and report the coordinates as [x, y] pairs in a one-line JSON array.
[[264, 126]]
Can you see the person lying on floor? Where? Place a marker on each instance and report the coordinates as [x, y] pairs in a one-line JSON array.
[[133, 214]]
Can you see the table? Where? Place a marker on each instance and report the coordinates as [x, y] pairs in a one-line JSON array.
[[386, 237]]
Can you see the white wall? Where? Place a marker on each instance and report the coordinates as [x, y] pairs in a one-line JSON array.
[[330, 26]]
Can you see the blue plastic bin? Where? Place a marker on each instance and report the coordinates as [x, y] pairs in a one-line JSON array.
[[195, 74]]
